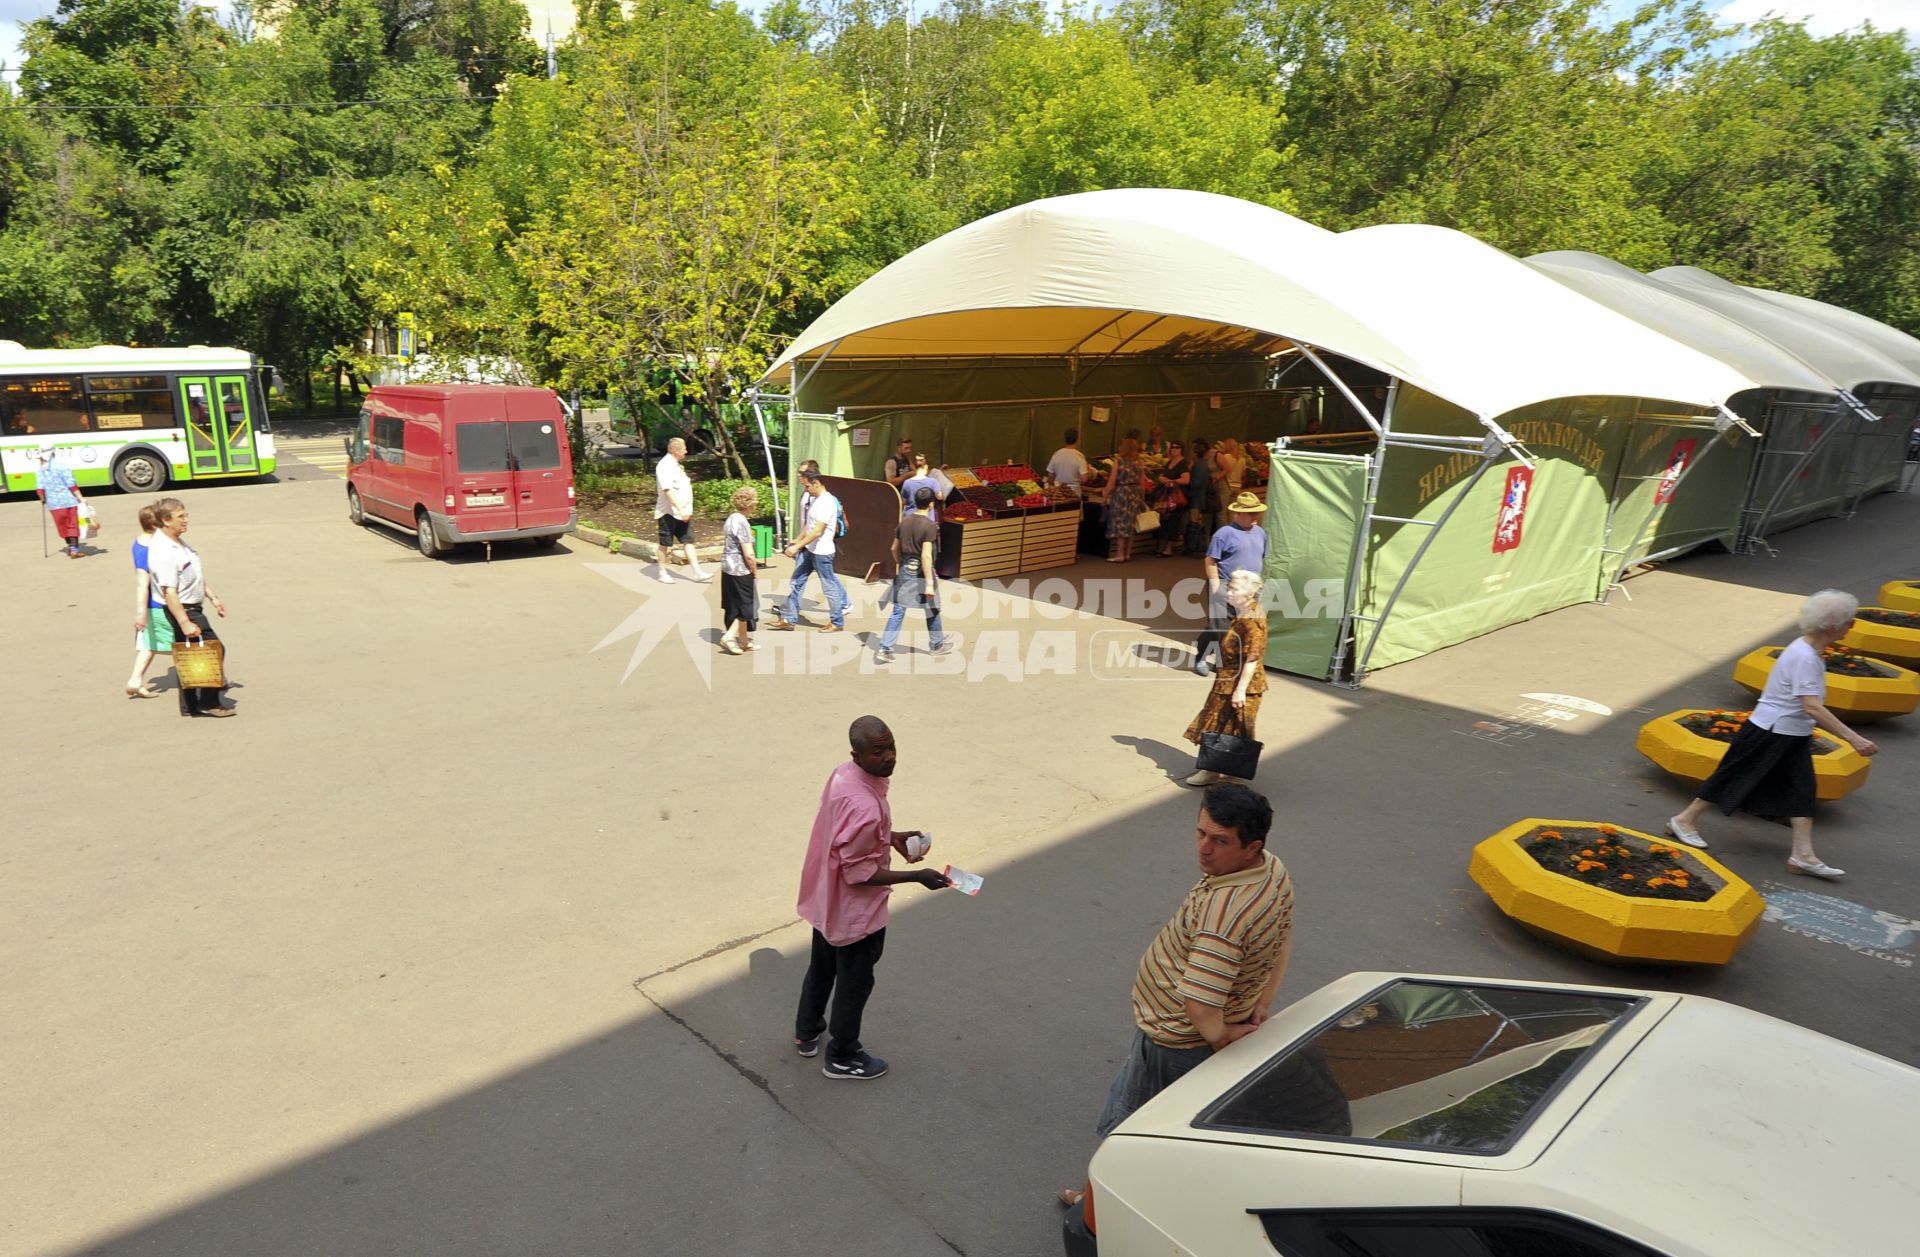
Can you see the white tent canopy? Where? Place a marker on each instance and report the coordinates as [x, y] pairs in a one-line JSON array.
[[1158, 270], [1669, 310], [1888, 341], [1839, 356]]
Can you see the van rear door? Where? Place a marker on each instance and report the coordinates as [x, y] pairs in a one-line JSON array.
[[542, 469], [483, 496]]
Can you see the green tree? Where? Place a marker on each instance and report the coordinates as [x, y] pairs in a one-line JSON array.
[[716, 169]]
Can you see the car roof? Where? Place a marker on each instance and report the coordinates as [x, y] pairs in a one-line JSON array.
[[1693, 1118]]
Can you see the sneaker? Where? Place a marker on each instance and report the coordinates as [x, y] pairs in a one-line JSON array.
[[859, 1068], [807, 1047], [883, 655], [1689, 836], [1203, 668], [944, 648], [1204, 777], [666, 577]]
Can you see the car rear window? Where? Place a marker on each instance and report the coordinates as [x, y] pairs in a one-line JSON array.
[[536, 446], [482, 446], [1458, 1068]]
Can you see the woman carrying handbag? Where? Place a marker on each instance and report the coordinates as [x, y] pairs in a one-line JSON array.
[[1224, 729]]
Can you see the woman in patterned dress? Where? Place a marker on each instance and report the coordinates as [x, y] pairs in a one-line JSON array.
[[1126, 498], [1233, 702]]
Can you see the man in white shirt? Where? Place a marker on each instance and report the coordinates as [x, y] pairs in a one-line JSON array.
[[1068, 466], [673, 510], [812, 551]]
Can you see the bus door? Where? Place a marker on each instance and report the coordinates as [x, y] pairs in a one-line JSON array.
[[219, 421]]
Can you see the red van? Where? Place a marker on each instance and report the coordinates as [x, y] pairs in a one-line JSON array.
[[452, 463]]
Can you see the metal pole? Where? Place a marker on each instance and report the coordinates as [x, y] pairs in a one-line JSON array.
[[773, 477], [1344, 390]]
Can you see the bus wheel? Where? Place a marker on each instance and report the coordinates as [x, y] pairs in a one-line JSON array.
[[355, 514], [423, 533], [140, 472]]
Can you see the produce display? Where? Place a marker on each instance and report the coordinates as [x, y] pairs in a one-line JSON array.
[[1032, 500], [961, 511], [962, 478], [1010, 474], [1028, 485]]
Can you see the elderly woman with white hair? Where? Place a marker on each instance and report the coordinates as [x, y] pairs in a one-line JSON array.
[[1233, 701], [1768, 770]]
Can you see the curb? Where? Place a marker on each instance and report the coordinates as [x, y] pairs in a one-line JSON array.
[[638, 548]]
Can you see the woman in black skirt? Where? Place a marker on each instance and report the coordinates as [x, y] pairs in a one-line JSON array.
[[1768, 770]]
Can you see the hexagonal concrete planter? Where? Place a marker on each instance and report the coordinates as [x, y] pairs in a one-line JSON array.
[[1606, 925], [1891, 642], [1838, 769], [1894, 691], [1900, 595]]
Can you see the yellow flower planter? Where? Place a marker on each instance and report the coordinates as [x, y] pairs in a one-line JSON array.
[[1838, 769], [1884, 641], [1608, 926], [1900, 595], [1855, 699]]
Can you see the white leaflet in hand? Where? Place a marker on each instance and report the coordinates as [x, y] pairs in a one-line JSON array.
[[964, 882]]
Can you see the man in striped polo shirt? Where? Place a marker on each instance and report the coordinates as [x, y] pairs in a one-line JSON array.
[[1211, 975]]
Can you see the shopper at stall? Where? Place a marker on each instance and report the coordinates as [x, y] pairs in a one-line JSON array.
[[1233, 702], [1068, 466], [1200, 498], [1240, 546], [812, 551], [1156, 443], [1768, 770], [923, 477], [1229, 472], [1170, 499], [900, 465], [1126, 498], [915, 583]]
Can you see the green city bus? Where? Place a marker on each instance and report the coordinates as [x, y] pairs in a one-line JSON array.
[[136, 418]]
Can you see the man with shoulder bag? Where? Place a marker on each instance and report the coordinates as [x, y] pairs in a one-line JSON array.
[[915, 582]]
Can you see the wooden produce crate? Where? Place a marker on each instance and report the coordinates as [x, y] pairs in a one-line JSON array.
[[1051, 539], [990, 547]]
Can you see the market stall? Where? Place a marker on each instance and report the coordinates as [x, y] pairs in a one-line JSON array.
[[1458, 441]]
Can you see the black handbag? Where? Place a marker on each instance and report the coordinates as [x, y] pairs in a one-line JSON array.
[[1229, 755]]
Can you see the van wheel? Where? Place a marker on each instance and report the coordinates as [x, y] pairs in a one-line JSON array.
[[546, 543], [141, 472], [356, 514], [423, 534]]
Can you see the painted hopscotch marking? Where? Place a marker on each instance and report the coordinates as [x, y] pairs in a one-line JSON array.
[[1536, 713], [1830, 919]]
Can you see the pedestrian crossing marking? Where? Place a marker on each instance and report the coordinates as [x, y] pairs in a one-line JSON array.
[[323, 452]]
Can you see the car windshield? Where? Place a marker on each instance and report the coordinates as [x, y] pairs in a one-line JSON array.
[[1459, 1068]]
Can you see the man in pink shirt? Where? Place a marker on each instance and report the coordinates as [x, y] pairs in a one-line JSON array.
[[843, 894]]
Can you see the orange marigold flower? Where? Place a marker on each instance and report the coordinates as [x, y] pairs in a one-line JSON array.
[[1608, 829], [1549, 833], [1586, 853], [1658, 881], [1626, 877]]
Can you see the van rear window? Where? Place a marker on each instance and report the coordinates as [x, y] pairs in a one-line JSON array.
[[482, 446], [536, 446]]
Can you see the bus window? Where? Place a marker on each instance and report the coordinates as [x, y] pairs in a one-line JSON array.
[[131, 401], [43, 405]]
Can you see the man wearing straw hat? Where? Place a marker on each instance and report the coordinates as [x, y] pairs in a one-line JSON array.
[[1240, 545]]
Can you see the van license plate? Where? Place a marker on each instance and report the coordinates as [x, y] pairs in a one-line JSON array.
[[486, 499]]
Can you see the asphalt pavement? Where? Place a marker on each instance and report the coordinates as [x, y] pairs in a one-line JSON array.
[[473, 932]]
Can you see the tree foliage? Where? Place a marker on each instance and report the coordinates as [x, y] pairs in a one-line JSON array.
[[697, 183]]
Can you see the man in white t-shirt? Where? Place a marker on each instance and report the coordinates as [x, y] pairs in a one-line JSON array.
[[812, 551], [673, 510], [1068, 466]]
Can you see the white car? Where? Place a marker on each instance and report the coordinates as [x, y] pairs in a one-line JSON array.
[[1391, 1115]]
